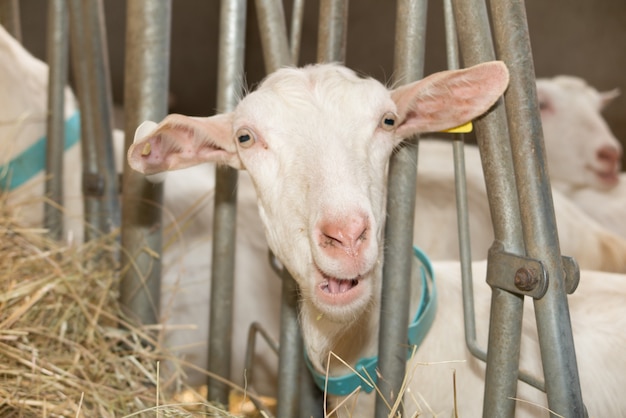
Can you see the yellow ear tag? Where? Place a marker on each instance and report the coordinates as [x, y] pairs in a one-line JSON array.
[[463, 129]]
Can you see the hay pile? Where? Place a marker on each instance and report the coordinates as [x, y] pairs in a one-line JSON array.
[[62, 350]]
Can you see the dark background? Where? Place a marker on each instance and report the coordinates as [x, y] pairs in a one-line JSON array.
[[577, 37]]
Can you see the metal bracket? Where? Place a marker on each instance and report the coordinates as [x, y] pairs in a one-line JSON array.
[[530, 277], [93, 184], [572, 273]]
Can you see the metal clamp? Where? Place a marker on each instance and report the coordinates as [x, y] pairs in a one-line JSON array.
[[572, 273], [530, 278]]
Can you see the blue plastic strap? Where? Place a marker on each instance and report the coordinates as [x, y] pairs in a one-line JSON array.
[[33, 159], [366, 376]]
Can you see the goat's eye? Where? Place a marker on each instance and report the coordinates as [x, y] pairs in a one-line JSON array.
[[388, 122], [245, 138]]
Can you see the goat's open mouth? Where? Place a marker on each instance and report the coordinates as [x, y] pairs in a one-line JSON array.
[[338, 291], [608, 177], [332, 285]]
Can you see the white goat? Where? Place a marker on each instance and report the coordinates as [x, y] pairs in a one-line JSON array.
[[583, 154], [581, 149], [316, 142]]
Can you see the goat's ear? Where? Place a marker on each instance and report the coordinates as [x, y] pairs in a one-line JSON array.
[[181, 141], [448, 99], [607, 97]]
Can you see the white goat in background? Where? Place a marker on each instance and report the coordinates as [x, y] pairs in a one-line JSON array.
[[583, 154], [316, 142]]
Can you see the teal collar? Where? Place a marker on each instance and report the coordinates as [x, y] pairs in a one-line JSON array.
[[33, 159], [366, 375]]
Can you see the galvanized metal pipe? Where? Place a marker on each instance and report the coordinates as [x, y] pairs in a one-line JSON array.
[[90, 62], [145, 98], [295, 36], [332, 31], [92, 183], [395, 302], [273, 33], [290, 351], [229, 87], [539, 226], [506, 309], [276, 54], [10, 18], [58, 58], [102, 105]]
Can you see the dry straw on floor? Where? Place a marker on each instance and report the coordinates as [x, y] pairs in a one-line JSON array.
[[65, 347]]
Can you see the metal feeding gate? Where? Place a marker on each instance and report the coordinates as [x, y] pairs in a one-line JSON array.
[[511, 148]]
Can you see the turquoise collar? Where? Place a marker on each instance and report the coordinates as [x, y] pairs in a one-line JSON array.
[[366, 375], [33, 159]]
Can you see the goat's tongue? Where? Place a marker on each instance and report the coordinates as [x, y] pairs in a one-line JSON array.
[[340, 286]]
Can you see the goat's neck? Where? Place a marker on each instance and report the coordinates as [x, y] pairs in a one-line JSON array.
[[349, 341]]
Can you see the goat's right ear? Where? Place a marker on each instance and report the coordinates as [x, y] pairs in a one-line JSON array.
[[181, 141]]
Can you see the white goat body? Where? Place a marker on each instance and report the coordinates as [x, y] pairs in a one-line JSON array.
[[594, 246], [607, 207], [316, 142]]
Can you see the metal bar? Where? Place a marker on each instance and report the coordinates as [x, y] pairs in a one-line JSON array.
[[102, 105], [332, 31], [295, 36], [273, 33], [290, 354], [465, 252], [276, 54], [10, 18], [90, 62], [229, 87], [58, 58], [256, 328], [92, 182], [539, 224], [506, 308], [145, 98], [394, 318]]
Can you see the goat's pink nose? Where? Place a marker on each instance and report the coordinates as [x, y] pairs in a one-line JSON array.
[[345, 237], [610, 155]]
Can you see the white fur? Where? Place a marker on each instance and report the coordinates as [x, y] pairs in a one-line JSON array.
[[316, 146]]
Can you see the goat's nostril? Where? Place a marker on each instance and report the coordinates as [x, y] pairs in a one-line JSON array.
[[347, 234], [330, 240]]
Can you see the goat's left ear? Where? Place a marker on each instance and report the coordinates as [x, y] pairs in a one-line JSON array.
[[181, 141], [448, 99], [607, 97]]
